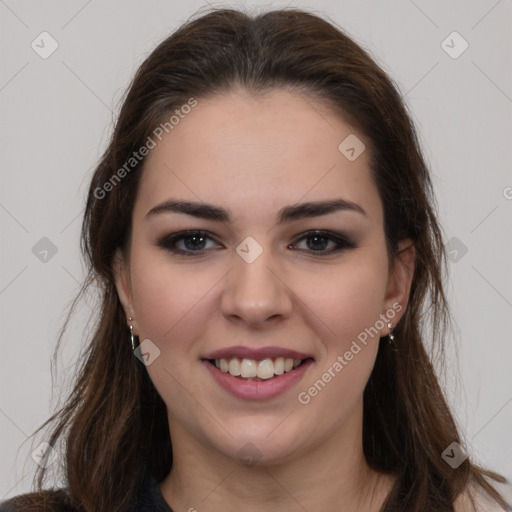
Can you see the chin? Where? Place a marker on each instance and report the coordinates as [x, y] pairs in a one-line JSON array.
[[257, 442]]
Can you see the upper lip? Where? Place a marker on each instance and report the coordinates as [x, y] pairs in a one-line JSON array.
[[257, 354]]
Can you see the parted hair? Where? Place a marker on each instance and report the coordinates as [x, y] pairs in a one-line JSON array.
[[113, 425]]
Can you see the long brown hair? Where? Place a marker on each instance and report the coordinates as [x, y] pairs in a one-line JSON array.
[[114, 423]]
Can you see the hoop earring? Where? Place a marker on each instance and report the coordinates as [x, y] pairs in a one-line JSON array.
[[391, 336], [132, 337]]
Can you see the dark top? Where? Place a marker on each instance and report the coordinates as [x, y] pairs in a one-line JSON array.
[[149, 499]]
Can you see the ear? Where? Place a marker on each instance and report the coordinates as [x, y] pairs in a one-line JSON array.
[[122, 278], [400, 279]]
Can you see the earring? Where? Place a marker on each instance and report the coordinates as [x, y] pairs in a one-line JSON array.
[[132, 338], [391, 336]]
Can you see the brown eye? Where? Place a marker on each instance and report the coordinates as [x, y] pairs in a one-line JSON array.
[[187, 242], [324, 242]]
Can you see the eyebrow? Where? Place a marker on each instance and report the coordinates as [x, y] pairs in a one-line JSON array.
[[286, 214]]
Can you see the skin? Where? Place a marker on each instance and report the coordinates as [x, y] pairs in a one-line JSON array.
[[253, 156]]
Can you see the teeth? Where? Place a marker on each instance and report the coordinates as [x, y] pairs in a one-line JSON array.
[[234, 367], [249, 368], [266, 369], [279, 366]]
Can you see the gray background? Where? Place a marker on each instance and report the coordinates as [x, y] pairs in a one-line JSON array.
[[57, 114]]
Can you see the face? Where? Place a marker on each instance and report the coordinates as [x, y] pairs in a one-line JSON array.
[[264, 278]]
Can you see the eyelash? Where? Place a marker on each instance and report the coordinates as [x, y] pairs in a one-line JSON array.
[[169, 242]]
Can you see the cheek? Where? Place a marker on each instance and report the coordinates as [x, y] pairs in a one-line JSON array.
[[351, 308], [349, 303], [170, 302], [168, 298], [347, 298]]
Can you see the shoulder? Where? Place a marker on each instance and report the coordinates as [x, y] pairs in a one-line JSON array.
[[44, 501], [148, 499]]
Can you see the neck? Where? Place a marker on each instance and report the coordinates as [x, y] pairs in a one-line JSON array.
[[330, 477]]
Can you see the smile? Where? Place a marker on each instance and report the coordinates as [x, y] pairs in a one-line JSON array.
[[254, 370], [259, 374]]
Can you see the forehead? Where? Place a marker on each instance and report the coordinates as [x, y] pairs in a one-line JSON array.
[[254, 154]]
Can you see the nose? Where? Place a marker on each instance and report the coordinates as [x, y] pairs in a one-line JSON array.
[[256, 293]]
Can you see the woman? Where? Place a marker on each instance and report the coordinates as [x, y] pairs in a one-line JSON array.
[[263, 232]]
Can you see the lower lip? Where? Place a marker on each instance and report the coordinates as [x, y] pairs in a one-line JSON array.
[[258, 390]]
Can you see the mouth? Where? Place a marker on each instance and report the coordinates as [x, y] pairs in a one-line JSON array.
[[257, 374], [254, 370]]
